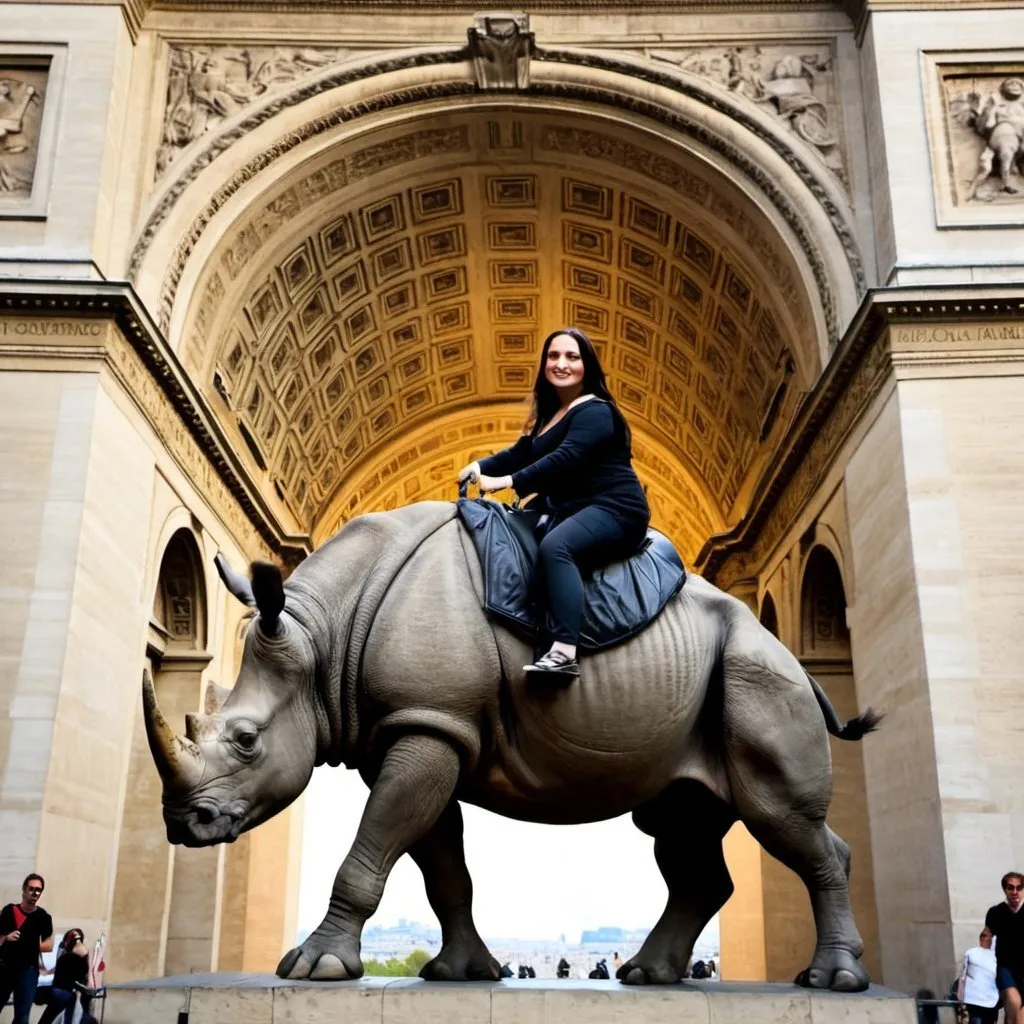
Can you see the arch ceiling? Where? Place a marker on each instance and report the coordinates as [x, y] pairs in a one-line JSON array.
[[382, 306]]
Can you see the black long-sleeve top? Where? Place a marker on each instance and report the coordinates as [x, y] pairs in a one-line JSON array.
[[582, 460]]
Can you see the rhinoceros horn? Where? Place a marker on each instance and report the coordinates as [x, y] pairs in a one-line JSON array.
[[179, 761]]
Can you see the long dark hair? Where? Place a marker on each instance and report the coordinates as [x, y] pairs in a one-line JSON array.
[[545, 397], [65, 945]]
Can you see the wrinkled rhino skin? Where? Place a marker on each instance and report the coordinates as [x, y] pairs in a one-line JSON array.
[[376, 654]]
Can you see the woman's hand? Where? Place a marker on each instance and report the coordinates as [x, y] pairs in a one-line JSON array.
[[493, 483], [470, 473]]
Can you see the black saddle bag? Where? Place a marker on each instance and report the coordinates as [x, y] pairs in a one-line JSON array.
[[619, 600]]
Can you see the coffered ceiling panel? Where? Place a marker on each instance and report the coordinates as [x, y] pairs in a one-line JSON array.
[[431, 293]]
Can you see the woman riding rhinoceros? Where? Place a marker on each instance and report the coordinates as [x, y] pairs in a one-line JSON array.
[[576, 453], [377, 654]]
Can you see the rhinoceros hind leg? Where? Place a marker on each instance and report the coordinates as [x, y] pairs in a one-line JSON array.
[[440, 856], [688, 823], [781, 782]]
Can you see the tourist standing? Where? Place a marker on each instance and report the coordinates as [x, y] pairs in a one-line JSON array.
[[1006, 923], [976, 987], [26, 930]]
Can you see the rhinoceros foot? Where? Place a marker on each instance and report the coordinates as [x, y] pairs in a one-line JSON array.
[[653, 966], [835, 969], [323, 958], [462, 962]]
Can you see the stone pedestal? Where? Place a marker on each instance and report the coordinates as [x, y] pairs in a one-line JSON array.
[[266, 999]]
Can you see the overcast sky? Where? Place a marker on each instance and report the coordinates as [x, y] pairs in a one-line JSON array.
[[529, 881]]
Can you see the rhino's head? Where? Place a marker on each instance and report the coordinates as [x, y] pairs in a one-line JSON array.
[[252, 752]]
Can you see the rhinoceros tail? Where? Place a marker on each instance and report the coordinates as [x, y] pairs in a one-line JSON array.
[[856, 728]]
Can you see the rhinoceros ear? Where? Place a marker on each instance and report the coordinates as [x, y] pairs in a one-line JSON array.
[[237, 584], [268, 591], [215, 697]]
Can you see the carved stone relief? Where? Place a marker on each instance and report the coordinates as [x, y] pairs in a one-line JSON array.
[[985, 125], [501, 45], [794, 82], [206, 84], [22, 92]]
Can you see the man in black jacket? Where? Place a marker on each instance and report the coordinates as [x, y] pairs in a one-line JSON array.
[[26, 930], [1006, 922]]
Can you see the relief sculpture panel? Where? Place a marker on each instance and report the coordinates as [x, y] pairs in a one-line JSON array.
[[794, 83], [977, 138], [22, 91], [986, 126], [207, 84]]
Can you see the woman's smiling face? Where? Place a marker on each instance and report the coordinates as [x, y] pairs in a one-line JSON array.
[[564, 364]]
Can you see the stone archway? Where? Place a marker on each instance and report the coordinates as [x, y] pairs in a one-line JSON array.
[[360, 289], [165, 913]]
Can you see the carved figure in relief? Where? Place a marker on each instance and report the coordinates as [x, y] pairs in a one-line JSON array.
[[15, 97], [208, 84], [784, 82], [501, 46], [999, 119]]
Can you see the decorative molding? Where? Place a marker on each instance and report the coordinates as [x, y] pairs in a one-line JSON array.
[[891, 325], [71, 314], [725, 105], [682, 124], [501, 45], [792, 81], [974, 106], [208, 84], [31, 82], [228, 137], [464, 7]]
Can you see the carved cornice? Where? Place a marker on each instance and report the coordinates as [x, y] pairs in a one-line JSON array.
[[161, 389], [857, 372], [462, 7]]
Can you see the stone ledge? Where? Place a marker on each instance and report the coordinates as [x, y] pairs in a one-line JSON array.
[[266, 999]]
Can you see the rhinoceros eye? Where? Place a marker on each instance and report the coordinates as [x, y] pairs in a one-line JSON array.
[[246, 738]]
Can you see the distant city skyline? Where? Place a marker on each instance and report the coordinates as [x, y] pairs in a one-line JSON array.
[[530, 882]]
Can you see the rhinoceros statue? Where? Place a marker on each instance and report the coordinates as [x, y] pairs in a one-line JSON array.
[[376, 653]]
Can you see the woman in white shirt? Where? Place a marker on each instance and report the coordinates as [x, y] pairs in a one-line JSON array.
[[976, 987]]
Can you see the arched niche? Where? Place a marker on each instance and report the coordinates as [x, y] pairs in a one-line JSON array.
[[179, 604], [165, 899], [823, 632]]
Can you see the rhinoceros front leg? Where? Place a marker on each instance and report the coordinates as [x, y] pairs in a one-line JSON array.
[[440, 856], [412, 789]]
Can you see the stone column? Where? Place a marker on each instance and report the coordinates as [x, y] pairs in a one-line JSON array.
[[935, 491], [76, 521]]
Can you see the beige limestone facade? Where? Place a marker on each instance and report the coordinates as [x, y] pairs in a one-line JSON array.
[[268, 265]]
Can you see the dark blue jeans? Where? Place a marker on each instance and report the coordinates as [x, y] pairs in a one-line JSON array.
[[21, 982], [60, 1000], [592, 538]]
